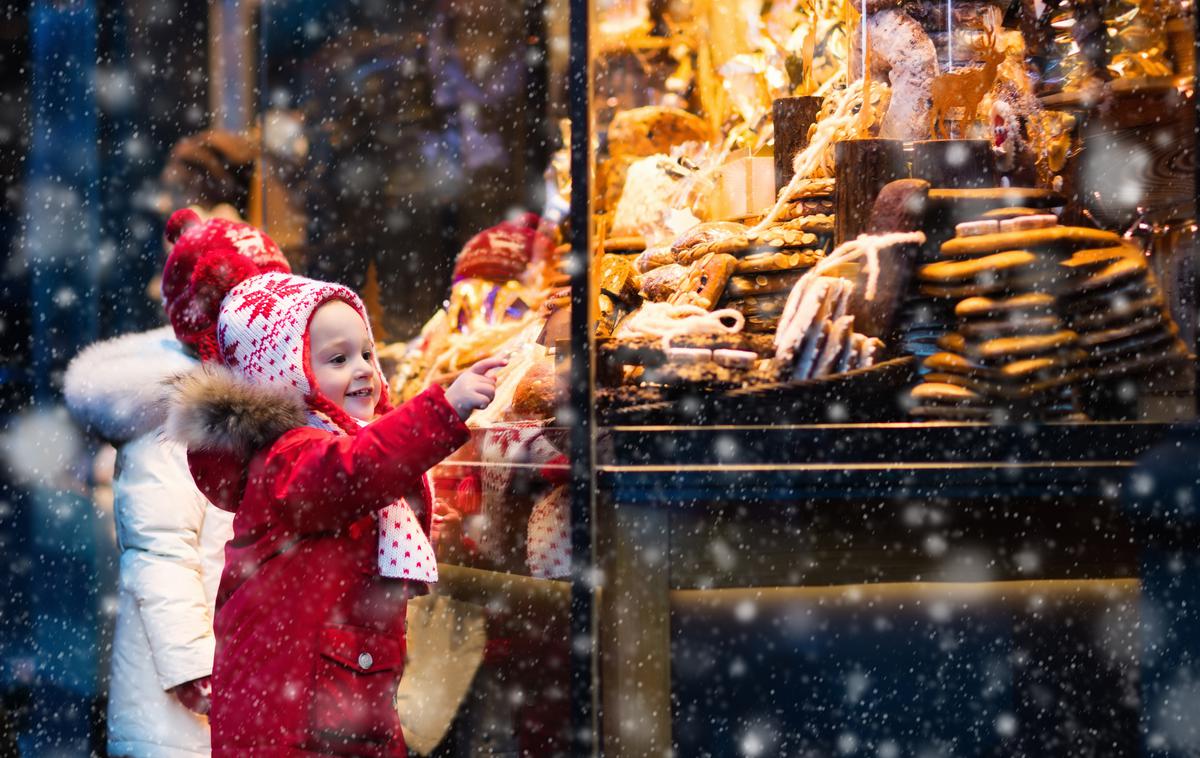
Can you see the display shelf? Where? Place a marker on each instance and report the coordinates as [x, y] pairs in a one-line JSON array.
[[767, 464]]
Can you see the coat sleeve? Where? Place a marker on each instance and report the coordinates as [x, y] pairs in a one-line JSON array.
[[324, 482], [159, 514]]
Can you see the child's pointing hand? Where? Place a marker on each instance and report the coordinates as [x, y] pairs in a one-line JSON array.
[[475, 387]]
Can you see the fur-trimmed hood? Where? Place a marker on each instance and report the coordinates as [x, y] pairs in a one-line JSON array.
[[118, 386], [213, 409], [223, 420]]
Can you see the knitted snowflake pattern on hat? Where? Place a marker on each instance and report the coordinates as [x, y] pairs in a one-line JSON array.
[[499, 253], [262, 333]]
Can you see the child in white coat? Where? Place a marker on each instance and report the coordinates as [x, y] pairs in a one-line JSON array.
[[171, 539]]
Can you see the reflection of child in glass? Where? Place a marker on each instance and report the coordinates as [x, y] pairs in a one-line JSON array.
[[332, 519]]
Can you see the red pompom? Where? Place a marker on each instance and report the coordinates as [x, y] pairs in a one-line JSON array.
[[179, 222]]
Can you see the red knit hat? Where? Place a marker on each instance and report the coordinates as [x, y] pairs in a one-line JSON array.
[[206, 260], [501, 252]]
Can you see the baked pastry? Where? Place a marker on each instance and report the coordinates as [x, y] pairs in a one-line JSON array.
[[710, 237], [654, 129], [653, 257], [535, 396], [618, 278], [662, 282], [705, 281]]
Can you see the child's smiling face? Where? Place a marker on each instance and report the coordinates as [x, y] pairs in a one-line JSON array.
[[343, 359]]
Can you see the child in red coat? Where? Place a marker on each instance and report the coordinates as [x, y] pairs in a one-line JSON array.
[[295, 435]]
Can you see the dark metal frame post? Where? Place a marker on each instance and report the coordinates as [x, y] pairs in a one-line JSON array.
[[1195, 294], [583, 590]]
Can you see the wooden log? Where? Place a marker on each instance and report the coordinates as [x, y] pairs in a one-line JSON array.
[[955, 163], [864, 166], [792, 117]]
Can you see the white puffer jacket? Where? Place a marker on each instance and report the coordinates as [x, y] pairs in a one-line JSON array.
[[172, 544]]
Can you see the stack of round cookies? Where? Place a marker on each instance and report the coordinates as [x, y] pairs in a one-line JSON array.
[[1013, 354], [1119, 312]]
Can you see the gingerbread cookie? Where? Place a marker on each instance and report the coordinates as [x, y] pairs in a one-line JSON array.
[[819, 223], [1112, 298], [962, 271], [1121, 271], [1004, 214], [781, 236], [1094, 259], [705, 281], [812, 206], [1117, 311], [809, 188], [1033, 303], [1146, 323], [762, 284], [1004, 349], [981, 330], [1062, 240]]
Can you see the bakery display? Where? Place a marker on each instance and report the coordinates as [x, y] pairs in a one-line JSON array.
[[929, 204]]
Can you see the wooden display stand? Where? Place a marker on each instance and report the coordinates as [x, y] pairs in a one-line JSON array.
[[792, 117], [864, 166], [955, 163]]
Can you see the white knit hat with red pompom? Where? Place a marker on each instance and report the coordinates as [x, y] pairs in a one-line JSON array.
[[263, 334]]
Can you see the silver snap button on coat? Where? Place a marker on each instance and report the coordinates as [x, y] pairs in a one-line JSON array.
[[365, 660]]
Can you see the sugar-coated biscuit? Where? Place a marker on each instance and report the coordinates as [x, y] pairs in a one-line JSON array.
[[977, 228], [1025, 223], [689, 355], [735, 358]]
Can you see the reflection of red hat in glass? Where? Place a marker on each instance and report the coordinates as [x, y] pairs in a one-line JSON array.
[[501, 252], [207, 259]]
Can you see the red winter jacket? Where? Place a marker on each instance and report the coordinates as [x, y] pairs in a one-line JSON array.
[[310, 639]]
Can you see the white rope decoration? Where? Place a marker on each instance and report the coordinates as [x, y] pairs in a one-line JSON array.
[[667, 321], [837, 126]]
